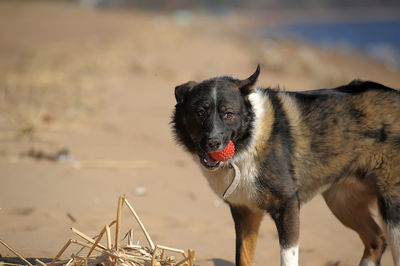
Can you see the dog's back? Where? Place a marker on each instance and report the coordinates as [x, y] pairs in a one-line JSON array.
[[351, 129]]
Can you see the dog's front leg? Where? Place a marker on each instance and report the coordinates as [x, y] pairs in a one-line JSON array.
[[247, 224], [287, 222]]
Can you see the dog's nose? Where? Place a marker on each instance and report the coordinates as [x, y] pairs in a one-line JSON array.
[[214, 144]]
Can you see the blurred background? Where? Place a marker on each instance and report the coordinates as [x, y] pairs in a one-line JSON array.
[[87, 92]]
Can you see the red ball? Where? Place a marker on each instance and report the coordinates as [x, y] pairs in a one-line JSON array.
[[224, 155]]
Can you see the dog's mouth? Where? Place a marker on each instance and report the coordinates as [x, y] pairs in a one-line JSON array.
[[208, 161]]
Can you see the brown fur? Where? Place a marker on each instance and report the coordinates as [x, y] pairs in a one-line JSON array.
[[349, 201], [247, 224]]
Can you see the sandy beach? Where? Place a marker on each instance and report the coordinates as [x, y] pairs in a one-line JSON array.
[[86, 97]]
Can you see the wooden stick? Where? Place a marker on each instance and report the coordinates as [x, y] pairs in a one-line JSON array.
[[9, 264], [108, 234], [69, 262], [172, 249], [82, 235], [98, 248], [77, 257], [96, 242], [182, 261], [133, 247], [15, 252], [191, 254], [60, 252], [153, 258], [118, 224], [76, 262], [130, 237], [40, 262], [138, 249], [162, 254], [61, 262], [112, 223], [146, 234]]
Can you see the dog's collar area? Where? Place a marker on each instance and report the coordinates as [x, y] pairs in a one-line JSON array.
[[234, 183]]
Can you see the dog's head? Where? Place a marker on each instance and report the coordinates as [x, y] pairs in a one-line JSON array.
[[209, 114]]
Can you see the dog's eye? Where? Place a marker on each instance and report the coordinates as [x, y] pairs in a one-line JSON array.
[[201, 113], [228, 115]]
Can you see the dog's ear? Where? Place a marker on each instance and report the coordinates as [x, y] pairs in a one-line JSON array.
[[246, 86], [181, 90]]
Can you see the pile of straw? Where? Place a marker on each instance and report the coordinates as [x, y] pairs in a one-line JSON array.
[[115, 253]]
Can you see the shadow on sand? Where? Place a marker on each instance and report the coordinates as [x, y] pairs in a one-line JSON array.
[[221, 262]]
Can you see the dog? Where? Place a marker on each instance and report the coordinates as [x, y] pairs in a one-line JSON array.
[[343, 143]]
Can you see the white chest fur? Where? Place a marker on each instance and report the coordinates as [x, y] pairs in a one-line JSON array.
[[242, 190]]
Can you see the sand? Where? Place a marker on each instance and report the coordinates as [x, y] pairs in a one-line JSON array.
[[99, 84]]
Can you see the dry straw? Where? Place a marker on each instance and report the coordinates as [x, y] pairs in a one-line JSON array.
[[117, 253]]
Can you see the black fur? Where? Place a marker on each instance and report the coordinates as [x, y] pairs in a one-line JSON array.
[[390, 210], [278, 166]]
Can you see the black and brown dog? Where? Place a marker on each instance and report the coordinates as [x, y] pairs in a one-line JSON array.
[[342, 142]]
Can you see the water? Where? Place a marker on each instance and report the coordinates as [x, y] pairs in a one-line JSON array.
[[377, 39]]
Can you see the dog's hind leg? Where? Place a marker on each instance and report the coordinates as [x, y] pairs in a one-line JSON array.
[[247, 224], [349, 201], [390, 210], [388, 187]]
